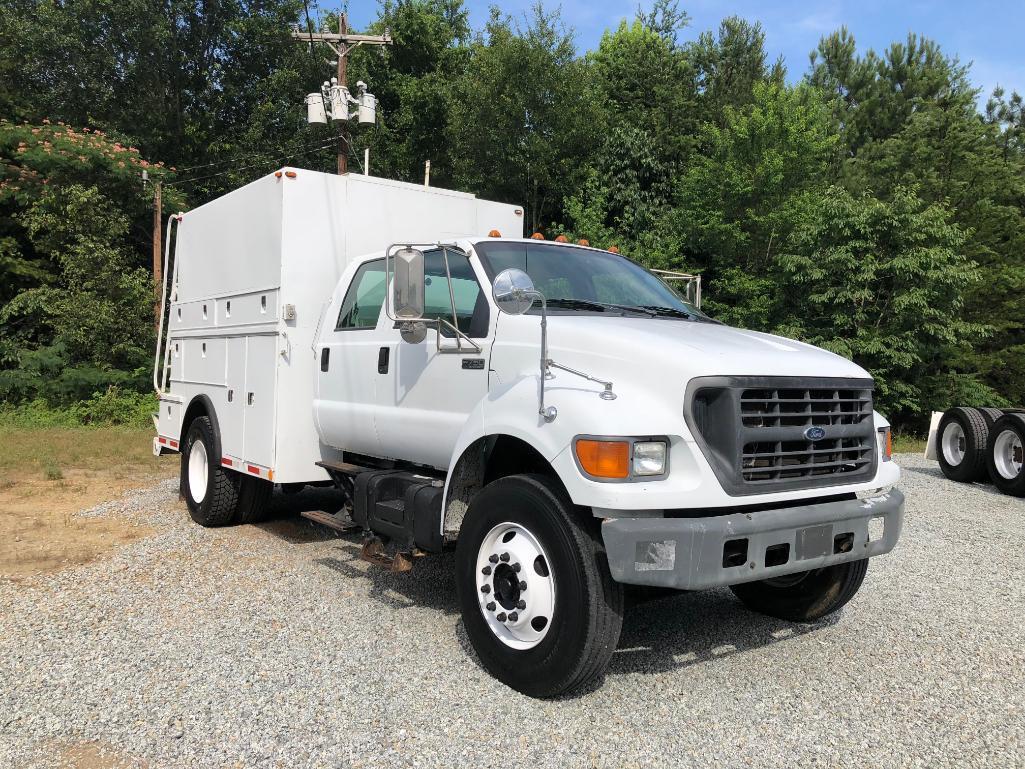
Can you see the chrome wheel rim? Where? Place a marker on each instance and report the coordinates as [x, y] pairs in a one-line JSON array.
[[953, 444], [515, 586], [1007, 454], [197, 471]]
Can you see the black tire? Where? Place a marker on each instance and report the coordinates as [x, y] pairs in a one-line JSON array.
[[1000, 469], [972, 465], [588, 607], [220, 499], [253, 500], [991, 415], [806, 596]]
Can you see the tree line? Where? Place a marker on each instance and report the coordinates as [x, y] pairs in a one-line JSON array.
[[867, 205]]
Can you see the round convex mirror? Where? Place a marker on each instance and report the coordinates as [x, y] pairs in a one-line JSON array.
[[513, 291]]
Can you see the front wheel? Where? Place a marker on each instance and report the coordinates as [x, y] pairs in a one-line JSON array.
[[806, 596], [537, 599]]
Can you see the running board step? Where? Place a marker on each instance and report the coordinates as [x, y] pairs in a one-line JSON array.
[[339, 521], [342, 468]]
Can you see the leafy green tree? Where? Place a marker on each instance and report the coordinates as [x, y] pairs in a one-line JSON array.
[[729, 64], [523, 120], [736, 204], [76, 304], [883, 283]]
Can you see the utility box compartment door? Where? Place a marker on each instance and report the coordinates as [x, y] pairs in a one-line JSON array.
[[232, 417], [258, 400]]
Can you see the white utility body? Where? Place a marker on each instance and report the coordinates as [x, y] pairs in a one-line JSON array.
[[566, 416]]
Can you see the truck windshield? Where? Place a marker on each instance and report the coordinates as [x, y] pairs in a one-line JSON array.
[[585, 280]]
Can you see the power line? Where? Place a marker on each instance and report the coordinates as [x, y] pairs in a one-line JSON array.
[[300, 151], [227, 161]]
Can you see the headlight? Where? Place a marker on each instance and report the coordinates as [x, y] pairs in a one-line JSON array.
[[649, 458], [621, 459]]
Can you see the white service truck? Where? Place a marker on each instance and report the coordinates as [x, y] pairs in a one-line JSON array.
[[556, 412]]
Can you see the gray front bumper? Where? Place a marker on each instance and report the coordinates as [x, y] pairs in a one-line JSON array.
[[688, 553]]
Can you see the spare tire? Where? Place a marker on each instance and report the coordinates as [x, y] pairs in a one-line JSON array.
[[961, 444], [991, 415], [1004, 454]]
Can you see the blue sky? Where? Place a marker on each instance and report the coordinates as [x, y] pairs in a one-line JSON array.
[[988, 34]]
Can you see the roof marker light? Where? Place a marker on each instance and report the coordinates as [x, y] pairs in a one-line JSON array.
[[537, 236], [613, 250], [277, 174], [562, 239], [583, 242], [290, 174], [494, 234]]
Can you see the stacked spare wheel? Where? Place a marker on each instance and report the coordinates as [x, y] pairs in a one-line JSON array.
[[982, 444]]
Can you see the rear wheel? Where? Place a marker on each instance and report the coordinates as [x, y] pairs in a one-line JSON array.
[[1004, 457], [538, 602], [253, 499], [807, 595], [961, 449], [211, 492]]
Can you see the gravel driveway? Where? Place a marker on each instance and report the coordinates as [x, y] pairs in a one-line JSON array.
[[275, 646]]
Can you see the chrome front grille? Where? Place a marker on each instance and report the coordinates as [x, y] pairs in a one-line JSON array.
[[764, 434], [786, 457]]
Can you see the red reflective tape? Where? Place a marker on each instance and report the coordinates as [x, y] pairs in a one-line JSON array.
[[162, 440], [226, 461], [253, 469], [174, 444]]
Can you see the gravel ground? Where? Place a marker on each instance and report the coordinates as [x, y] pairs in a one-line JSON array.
[[274, 646]]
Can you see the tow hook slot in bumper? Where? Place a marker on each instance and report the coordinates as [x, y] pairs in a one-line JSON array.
[[697, 553]]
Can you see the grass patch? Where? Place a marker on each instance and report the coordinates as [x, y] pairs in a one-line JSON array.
[[52, 471], [908, 444], [53, 451]]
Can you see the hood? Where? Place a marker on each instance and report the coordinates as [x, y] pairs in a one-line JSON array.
[[685, 348]]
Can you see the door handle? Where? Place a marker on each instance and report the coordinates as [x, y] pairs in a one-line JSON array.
[[325, 358], [382, 360]]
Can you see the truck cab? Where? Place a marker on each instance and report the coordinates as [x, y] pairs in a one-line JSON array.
[[570, 424]]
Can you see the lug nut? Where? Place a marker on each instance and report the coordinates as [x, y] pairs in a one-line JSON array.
[[486, 570], [521, 605], [493, 558], [523, 585], [491, 606], [500, 616], [485, 588], [516, 567], [513, 616], [504, 557]]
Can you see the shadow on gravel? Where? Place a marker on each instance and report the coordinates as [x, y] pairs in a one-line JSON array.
[[938, 474], [693, 628], [429, 585], [662, 630]]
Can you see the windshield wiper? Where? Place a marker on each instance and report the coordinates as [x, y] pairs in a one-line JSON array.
[[669, 312], [588, 304]]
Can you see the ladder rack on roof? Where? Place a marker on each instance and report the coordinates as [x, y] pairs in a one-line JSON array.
[[691, 287]]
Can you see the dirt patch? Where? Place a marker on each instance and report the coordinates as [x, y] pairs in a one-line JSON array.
[[39, 531], [92, 755]]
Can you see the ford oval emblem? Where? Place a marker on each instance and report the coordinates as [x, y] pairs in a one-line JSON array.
[[814, 433]]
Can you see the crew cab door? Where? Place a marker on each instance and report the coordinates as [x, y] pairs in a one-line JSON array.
[[426, 395], [348, 352]]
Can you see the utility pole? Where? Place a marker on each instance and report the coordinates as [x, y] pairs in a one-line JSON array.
[[342, 44], [157, 254]]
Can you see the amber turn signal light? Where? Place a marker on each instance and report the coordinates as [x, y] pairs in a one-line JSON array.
[[604, 459]]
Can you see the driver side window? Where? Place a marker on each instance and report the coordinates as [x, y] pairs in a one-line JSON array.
[[364, 298], [471, 305]]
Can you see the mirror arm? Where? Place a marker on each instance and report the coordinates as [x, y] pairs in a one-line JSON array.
[[452, 300], [549, 413]]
